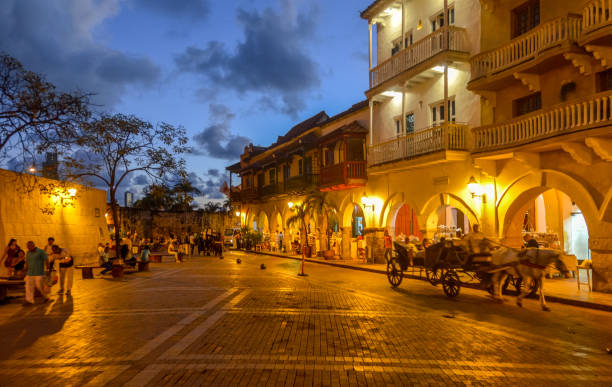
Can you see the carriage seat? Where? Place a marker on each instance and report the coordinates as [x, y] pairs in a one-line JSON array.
[[480, 258]]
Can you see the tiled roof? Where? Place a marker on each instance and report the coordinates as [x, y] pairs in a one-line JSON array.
[[352, 128], [356, 107], [302, 127]]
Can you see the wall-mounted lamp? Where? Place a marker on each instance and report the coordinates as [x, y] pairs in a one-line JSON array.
[[290, 204], [32, 170], [475, 189], [367, 202], [420, 25], [72, 192], [237, 213]]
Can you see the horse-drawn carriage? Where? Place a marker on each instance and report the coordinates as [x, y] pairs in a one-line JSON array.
[[448, 264]]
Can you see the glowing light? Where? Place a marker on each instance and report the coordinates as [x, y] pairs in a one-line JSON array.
[[420, 25], [474, 187], [438, 69], [72, 192], [392, 94], [290, 204], [237, 213], [32, 170]]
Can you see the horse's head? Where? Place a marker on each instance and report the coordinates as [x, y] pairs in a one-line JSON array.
[[562, 267]]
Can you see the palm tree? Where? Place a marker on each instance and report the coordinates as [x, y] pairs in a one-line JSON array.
[[319, 205], [212, 207], [301, 212]]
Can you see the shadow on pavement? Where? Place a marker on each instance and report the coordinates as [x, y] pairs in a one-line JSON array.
[[19, 333]]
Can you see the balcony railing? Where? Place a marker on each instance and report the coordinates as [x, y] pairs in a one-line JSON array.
[[563, 118], [340, 173], [526, 46], [596, 14], [449, 136], [300, 183], [269, 189], [445, 39]]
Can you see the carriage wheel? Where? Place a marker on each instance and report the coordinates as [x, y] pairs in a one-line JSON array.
[[395, 274], [533, 286], [436, 274], [451, 284]]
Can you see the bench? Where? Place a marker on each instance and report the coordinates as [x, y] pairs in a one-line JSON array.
[[159, 258], [87, 270], [6, 284]]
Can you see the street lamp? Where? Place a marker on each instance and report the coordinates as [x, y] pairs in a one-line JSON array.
[[290, 204], [32, 170], [72, 192], [475, 188], [237, 213]]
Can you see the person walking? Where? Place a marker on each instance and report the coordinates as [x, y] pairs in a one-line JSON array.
[[37, 260], [192, 243], [49, 246], [66, 269], [388, 246]]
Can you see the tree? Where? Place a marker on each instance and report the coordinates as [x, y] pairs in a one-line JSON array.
[[183, 193], [320, 206], [34, 117], [212, 207], [157, 197], [301, 213], [114, 147]]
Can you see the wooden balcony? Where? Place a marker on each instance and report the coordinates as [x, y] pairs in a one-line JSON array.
[[445, 39], [270, 189], [449, 136], [300, 183], [591, 112], [596, 21], [343, 175], [526, 47], [244, 196]]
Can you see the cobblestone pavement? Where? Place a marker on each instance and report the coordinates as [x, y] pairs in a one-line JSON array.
[[216, 322]]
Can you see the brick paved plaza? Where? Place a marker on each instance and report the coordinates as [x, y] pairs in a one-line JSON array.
[[214, 322]]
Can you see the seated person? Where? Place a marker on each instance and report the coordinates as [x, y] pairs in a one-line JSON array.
[[146, 252]]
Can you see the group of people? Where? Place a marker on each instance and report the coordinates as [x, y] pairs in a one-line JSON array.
[[128, 252], [37, 267]]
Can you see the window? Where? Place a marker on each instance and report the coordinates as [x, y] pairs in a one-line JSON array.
[[439, 112], [408, 39], [308, 165], [527, 104], [437, 21], [604, 80], [409, 122], [286, 173], [354, 150], [329, 156], [525, 17], [272, 176], [260, 180], [396, 47], [300, 167]]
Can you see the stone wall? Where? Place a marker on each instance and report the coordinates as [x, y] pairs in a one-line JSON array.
[[154, 224], [27, 213]]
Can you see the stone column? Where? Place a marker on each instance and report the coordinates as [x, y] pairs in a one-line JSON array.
[[375, 240], [601, 255], [345, 251]]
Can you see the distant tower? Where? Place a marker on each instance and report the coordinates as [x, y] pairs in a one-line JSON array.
[[129, 199], [50, 166]]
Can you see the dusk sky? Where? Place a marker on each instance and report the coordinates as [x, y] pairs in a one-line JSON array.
[[230, 72]]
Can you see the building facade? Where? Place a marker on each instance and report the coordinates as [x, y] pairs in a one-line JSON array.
[[495, 113]]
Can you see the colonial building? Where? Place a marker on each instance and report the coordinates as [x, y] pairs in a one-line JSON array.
[[486, 112], [321, 153]]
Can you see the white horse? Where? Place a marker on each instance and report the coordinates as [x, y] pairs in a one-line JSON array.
[[526, 264]]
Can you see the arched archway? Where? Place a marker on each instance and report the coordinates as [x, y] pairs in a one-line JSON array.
[[448, 210], [262, 224], [533, 184], [550, 217]]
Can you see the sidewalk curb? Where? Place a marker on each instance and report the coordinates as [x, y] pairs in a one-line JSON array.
[[559, 300]]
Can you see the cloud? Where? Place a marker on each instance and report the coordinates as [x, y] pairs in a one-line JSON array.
[[271, 60], [139, 180], [213, 172], [209, 188], [55, 38], [194, 9], [217, 140]]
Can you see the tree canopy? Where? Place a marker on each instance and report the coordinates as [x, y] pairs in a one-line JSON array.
[[34, 116]]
